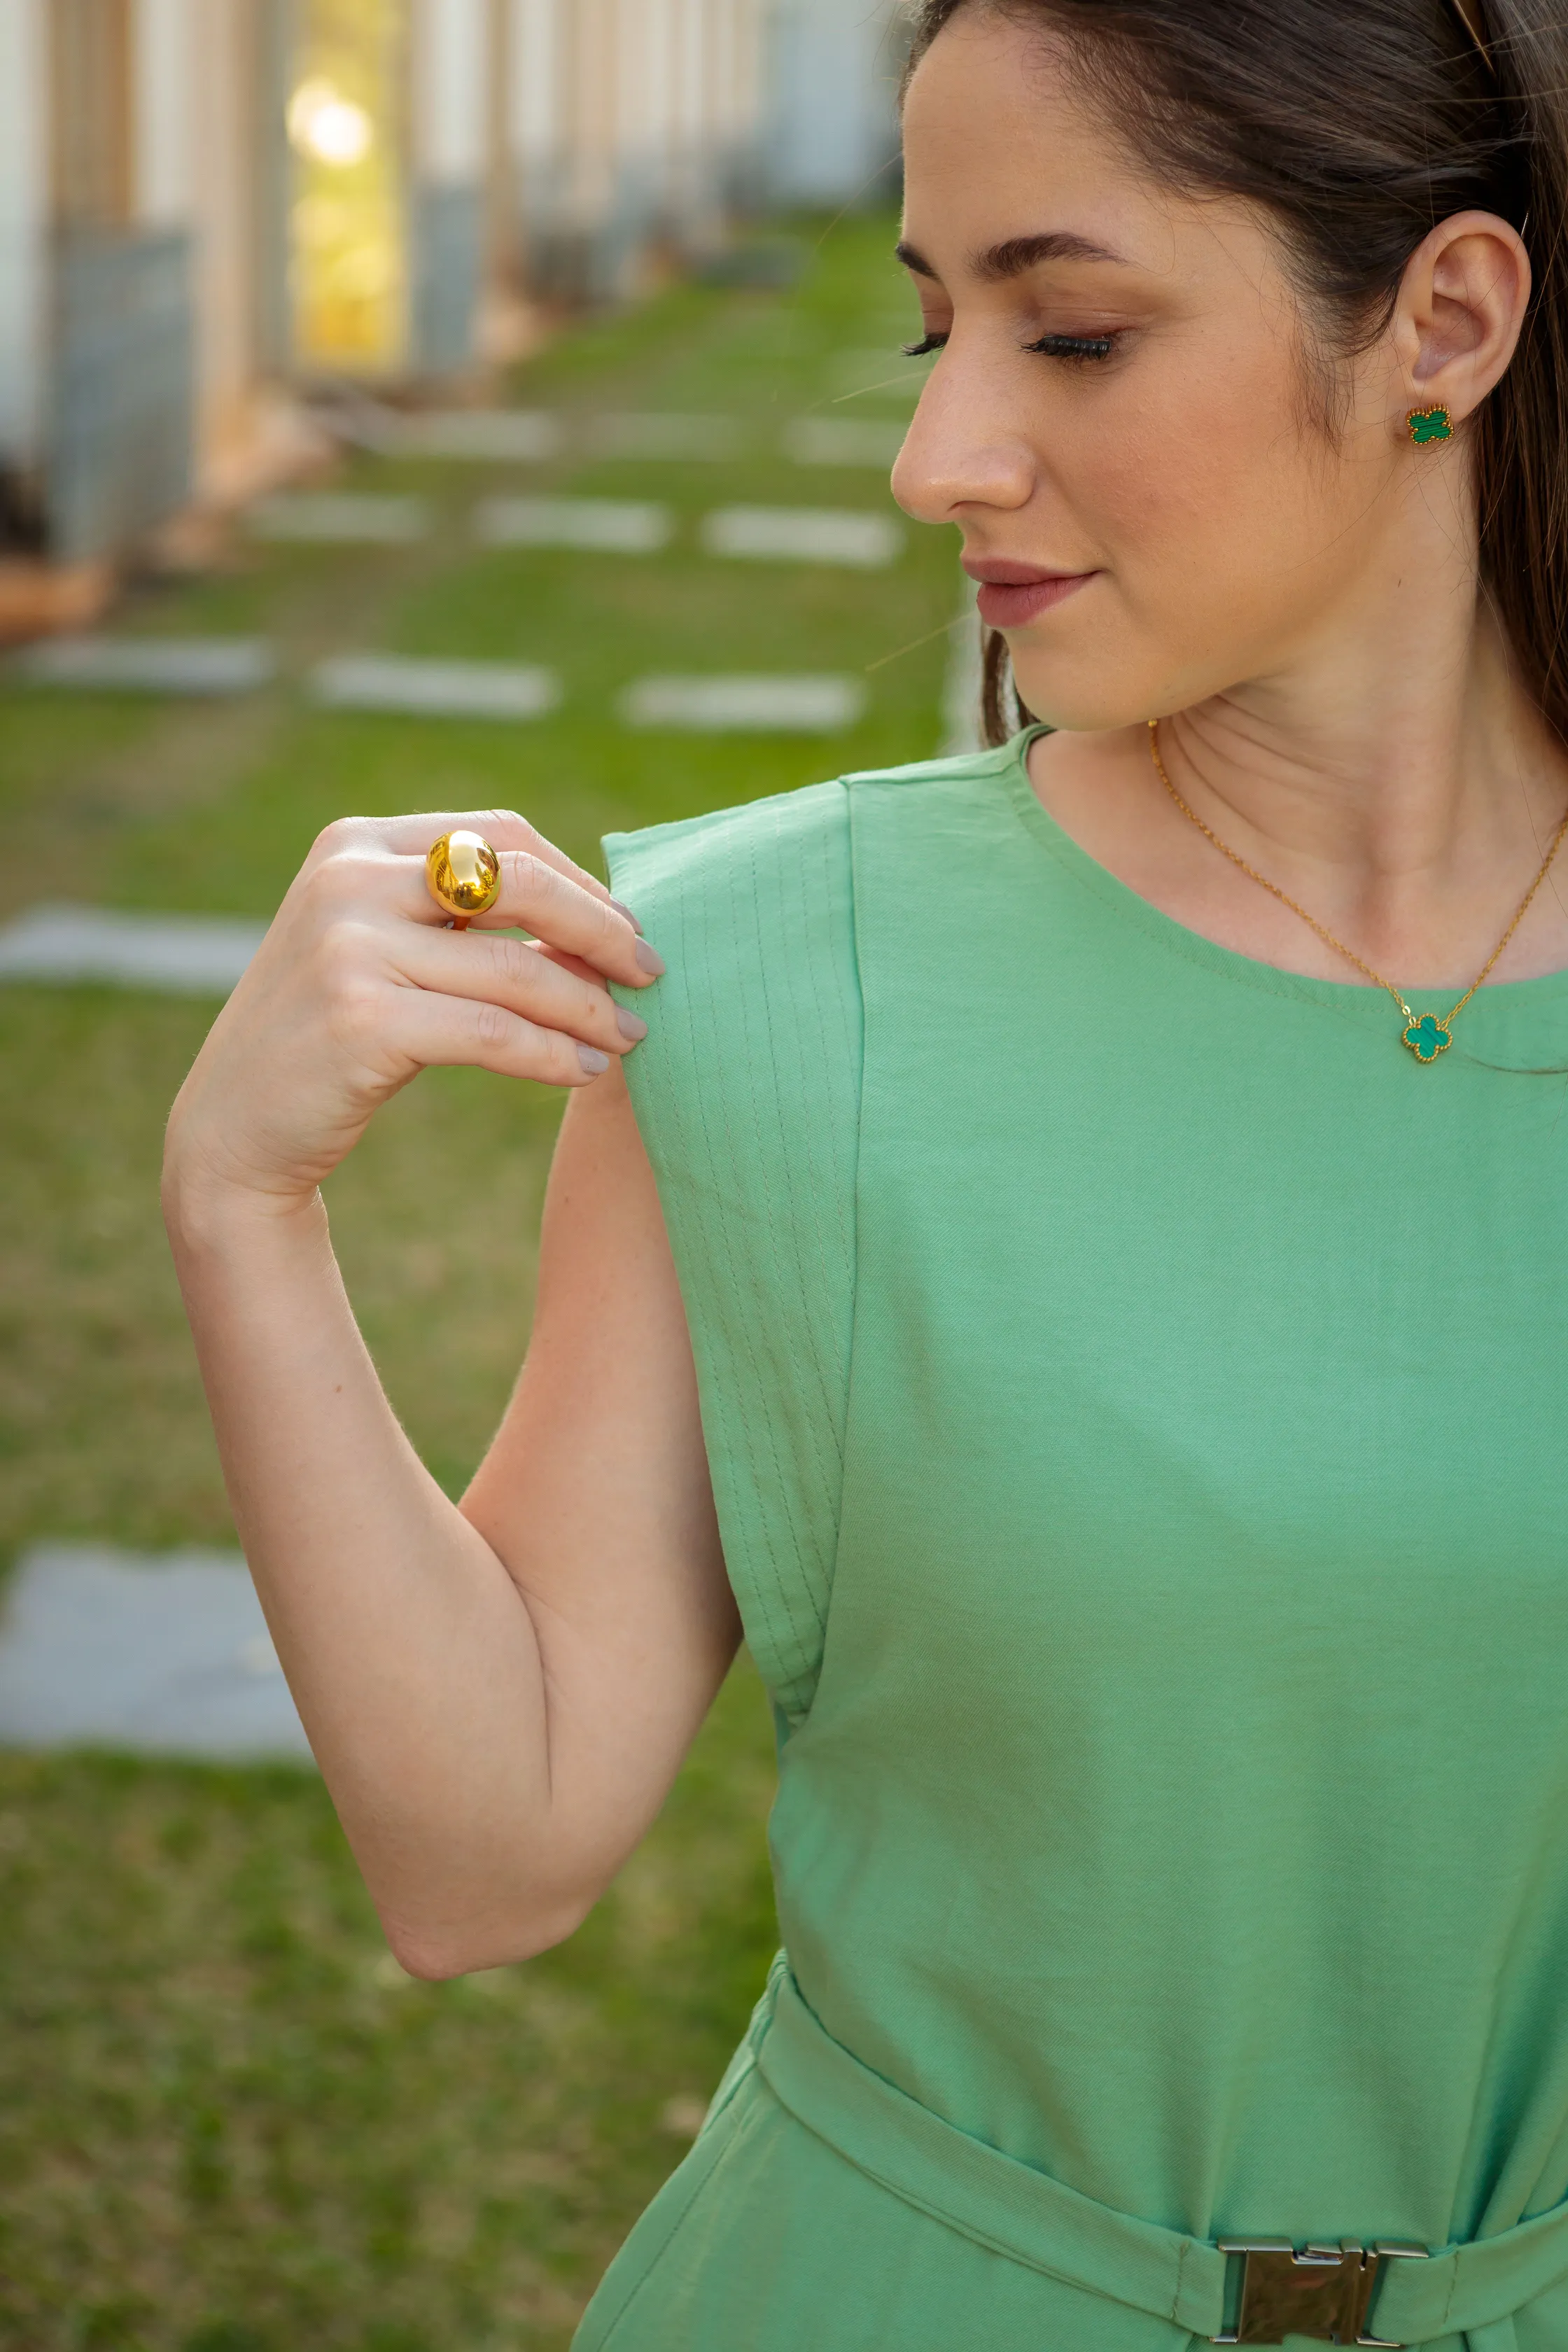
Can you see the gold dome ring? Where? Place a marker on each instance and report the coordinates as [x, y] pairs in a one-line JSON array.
[[464, 875]]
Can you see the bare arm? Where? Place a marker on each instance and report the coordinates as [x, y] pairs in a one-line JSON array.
[[499, 1695]]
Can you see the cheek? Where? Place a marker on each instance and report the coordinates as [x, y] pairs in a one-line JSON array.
[[1221, 521], [1214, 476]]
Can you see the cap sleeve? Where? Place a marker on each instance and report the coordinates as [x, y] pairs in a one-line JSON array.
[[747, 1095]]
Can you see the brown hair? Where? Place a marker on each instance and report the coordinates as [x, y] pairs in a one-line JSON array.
[[1360, 125]]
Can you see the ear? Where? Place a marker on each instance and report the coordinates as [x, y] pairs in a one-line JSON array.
[[1462, 307]]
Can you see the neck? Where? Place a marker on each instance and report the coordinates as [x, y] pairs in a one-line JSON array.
[[1390, 775], [1390, 753]]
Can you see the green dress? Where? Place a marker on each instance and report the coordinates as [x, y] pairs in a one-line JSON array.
[[1137, 1397]]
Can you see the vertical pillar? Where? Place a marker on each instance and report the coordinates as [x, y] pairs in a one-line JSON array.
[[159, 355], [536, 128], [230, 179], [268, 73], [451, 52], [501, 228], [24, 219], [118, 410], [164, 111], [595, 24], [639, 61]]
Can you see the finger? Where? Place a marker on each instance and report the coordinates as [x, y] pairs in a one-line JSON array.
[[465, 1032], [594, 927], [567, 962], [355, 866], [535, 897], [411, 836], [501, 968]]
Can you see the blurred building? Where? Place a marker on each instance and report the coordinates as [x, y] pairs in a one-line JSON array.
[[829, 115], [635, 126], [130, 318], [211, 207]]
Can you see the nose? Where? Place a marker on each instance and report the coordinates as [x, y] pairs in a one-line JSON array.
[[961, 451]]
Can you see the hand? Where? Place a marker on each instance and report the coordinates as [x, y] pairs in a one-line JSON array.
[[359, 984]]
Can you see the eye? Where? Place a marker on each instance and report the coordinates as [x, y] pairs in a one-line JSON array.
[[1074, 347], [925, 347]]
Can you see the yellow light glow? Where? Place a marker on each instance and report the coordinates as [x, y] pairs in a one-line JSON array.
[[329, 127], [348, 262]]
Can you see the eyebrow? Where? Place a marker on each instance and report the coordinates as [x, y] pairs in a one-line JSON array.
[[1017, 254]]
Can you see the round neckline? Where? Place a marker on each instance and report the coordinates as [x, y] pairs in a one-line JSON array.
[[1545, 990]]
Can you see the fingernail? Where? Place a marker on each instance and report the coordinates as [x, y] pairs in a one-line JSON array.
[[592, 1061], [649, 960], [622, 909], [631, 1025]]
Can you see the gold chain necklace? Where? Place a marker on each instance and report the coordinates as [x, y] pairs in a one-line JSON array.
[[1426, 1035]]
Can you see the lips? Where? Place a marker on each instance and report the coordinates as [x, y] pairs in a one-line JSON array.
[[1014, 595]]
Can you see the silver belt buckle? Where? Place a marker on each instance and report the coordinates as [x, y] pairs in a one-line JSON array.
[[1324, 2292]]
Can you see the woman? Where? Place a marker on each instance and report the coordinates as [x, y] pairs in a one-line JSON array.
[[1122, 1255]]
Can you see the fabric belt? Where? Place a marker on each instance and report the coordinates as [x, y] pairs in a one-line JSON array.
[[1472, 2291]]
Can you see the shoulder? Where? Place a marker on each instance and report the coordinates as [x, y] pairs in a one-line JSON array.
[[726, 857], [725, 854], [743, 904], [935, 777], [753, 910]]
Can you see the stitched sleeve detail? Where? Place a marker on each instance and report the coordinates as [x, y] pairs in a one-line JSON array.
[[747, 1094]]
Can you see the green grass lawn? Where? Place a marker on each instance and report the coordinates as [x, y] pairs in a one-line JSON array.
[[228, 2122]]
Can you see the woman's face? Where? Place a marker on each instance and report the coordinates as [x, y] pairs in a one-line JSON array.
[[1157, 510]]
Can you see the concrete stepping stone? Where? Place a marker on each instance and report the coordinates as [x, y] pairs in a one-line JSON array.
[[177, 955], [436, 690], [486, 435], [339, 518], [160, 1654], [177, 665], [657, 437], [861, 542], [745, 705], [489, 435], [596, 526], [843, 441]]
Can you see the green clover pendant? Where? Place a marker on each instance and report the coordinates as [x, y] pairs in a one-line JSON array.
[[1427, 1037]]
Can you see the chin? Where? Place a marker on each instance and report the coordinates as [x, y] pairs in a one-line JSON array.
[[1088, 696], [1105, 677]]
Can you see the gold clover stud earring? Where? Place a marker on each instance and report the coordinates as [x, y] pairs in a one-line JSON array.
[[1429, 424]]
